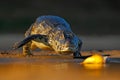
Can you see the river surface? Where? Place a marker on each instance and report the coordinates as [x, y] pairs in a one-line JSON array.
[[56, 68]]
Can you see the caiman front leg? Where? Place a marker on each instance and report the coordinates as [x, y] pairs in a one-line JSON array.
[[77, 53], [27, 42], [26, 49]]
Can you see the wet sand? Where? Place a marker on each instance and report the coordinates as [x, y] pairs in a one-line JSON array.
[[47, 65]]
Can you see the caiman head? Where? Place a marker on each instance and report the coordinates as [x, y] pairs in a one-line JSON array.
[[63, 41]]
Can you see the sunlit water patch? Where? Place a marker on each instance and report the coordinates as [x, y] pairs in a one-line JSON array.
[[56, 68]]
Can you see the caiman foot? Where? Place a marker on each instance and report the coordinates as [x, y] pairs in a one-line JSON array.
[[27, 53], [76, 54]]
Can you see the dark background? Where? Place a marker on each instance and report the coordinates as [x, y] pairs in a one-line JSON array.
[[86, 17]]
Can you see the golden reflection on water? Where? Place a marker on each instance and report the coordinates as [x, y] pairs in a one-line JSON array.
[[94, 66], [57, 71], [95, 61]]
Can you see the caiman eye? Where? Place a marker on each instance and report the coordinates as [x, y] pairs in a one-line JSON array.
[[67, 36]]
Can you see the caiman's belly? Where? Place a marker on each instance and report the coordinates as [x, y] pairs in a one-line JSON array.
[[40, 45]]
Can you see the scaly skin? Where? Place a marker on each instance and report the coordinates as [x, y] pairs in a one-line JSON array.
[[52, 33]]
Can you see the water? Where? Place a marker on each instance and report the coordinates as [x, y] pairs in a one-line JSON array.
[[56, 68], [59, 67]]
